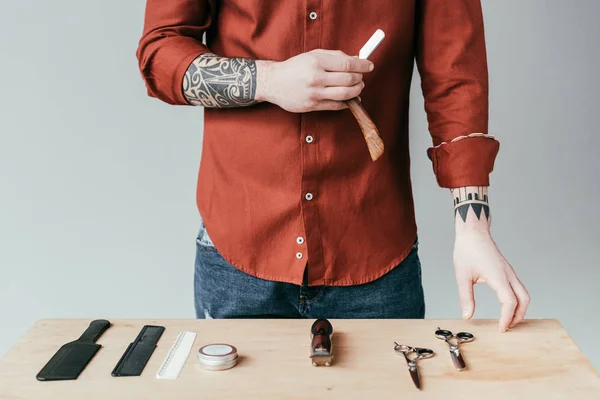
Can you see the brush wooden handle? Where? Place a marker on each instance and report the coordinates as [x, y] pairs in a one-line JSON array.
[[368, 128], [320, 345]]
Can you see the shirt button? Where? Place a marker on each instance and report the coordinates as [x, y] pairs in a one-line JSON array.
[[300, 240], [298, 255], [309, 139], [308, 196], [312, 15]]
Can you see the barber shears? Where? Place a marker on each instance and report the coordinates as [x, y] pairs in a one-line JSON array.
[[412, 355], [453, 342]]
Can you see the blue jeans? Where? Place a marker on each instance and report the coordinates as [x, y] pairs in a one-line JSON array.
[[223, 291]]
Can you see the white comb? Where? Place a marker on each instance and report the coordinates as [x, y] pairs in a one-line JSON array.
[[173, 363]]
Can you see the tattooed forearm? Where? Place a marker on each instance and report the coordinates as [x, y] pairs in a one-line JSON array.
[[471, 198], [219, 82]]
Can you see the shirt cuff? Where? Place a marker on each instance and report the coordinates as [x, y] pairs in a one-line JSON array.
[[465, 161], [166, 70]]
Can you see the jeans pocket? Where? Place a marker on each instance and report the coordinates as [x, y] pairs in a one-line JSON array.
[[205, 247], [415, 244], [412, 263], [419, 269], [203, 241]]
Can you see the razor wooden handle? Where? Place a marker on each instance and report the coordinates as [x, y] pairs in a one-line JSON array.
[[368, 128]]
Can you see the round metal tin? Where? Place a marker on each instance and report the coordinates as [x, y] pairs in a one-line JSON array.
[[217, 356]]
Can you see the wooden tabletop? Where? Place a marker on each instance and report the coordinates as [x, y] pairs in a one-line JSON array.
[[536, 360]]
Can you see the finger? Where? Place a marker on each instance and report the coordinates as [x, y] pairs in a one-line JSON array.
[[523, 300], [341, 93], [344, 63], [465, 293], [507, 299], [331, 52], [330, 105], [341, 78]]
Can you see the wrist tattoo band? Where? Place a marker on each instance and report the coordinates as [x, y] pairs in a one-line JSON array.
[[475, 197]]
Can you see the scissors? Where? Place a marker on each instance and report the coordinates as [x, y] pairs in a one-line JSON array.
[[453, 342], [412, 355]]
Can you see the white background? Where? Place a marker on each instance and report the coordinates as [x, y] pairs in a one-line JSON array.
[[97, 181]]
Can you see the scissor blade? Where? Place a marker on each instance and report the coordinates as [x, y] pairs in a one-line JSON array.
[[457, 359], [414, 374]]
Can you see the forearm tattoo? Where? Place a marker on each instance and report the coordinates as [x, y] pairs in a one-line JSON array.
[[220, 82], [471, 197]]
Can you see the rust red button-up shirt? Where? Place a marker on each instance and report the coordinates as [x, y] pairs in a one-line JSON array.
[[273, 201]]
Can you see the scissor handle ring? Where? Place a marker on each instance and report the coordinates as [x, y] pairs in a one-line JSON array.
[[443, 334], [424, 353], [465, 337], [402, 348]]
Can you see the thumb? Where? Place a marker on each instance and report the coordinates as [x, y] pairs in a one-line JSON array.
[[465, 293]]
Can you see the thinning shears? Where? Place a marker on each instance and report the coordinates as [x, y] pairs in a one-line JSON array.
[[453, 342], [412, 355]]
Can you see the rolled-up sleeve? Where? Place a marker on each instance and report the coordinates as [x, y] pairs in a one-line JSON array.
[[452, 63], [171, 40]]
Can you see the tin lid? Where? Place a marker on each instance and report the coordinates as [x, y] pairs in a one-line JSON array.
[[217, 354]]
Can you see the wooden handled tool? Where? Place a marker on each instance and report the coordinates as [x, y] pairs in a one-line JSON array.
[[320, 345], [367, 126]]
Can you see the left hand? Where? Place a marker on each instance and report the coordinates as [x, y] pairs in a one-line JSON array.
[[478, 260]]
